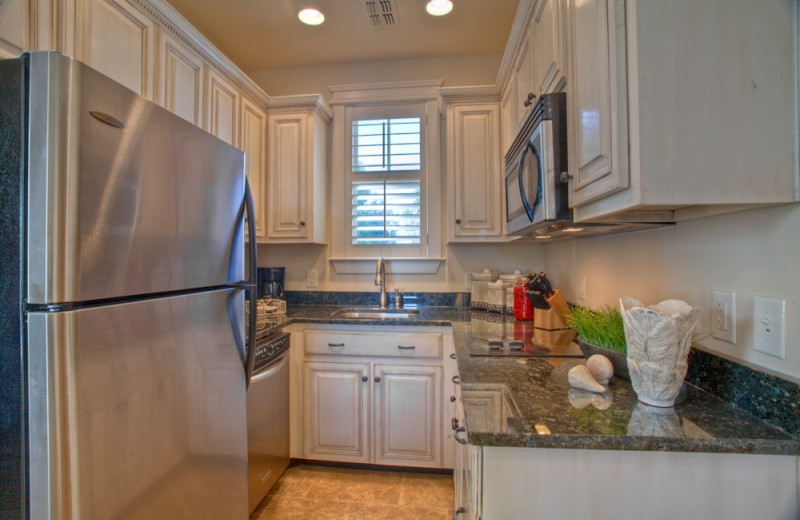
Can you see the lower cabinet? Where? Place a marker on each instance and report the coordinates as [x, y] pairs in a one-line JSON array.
[[376, 398], [373, 413]]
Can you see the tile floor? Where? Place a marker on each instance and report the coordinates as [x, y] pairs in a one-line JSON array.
[[331, 493]]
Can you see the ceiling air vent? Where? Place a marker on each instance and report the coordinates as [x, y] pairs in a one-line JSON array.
[[380, 13]]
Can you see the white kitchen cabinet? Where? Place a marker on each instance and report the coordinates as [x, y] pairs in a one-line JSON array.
[[668, 123], [297, 169], [549, 58], [117, 39], [180, 78], [508, 120], [475, 199], [525, 88], [253, 142], [542, 483], [337, 411], [223, 105], [377, 397]]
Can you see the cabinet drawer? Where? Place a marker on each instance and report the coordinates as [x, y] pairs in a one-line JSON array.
[[389, 344]]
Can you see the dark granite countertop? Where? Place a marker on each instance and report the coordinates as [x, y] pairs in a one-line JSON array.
[[528, 402]]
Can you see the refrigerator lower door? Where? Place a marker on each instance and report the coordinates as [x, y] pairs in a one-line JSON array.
[[138, 411]]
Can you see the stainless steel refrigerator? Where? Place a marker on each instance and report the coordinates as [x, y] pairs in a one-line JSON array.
[[123, 350]]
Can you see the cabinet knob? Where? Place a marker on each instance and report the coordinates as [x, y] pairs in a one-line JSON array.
[[452, 399], [564, 177], [377, 379], [302, 223], [452, 355], [458, 221], [364, 378]]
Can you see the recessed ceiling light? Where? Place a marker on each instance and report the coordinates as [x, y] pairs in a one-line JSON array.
[[439, 7], [311, 16]]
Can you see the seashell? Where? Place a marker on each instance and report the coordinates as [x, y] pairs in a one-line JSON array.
[[601, 368], [580, 377], [581, 399]]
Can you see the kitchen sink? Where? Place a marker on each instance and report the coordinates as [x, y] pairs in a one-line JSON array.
[[376, 313]]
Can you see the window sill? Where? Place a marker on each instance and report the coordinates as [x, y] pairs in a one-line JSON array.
[[393, 265]]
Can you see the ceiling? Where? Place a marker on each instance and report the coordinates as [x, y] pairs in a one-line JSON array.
[[265, 34]]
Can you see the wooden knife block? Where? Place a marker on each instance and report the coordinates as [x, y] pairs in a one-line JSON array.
[[555, 317]]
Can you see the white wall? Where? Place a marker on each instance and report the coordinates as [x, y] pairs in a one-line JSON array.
[[450, 278], [470, 70], [753, 253]]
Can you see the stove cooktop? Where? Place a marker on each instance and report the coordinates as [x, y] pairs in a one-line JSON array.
[[540, 343]]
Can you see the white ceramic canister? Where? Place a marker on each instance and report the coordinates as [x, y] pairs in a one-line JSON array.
[[479, 299], [508, 281]]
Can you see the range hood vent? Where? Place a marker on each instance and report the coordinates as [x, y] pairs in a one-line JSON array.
[[380, 13]]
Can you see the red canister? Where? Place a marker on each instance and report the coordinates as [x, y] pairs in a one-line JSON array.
[[523, 308]]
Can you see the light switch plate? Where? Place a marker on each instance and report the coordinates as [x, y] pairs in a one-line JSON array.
[[769, 326]]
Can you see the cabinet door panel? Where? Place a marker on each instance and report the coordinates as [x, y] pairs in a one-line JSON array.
[[523, 79], [408, 415], [595, 113], [254, 144], [222, 108], [336, 410], [119, 42], [477, 171], [180, 79], [548, 59], [287, 176]]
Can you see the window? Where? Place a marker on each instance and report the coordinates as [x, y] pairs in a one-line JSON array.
[[386, 210], [386, 167]]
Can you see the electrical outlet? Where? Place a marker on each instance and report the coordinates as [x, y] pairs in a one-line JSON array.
[[582, 289], [311, 278], [769, 325], [724, 316]]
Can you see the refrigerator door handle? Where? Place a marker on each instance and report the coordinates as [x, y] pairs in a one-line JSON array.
[[251, 282]]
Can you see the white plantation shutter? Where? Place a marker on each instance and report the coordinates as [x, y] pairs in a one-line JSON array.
[[386, 145], [386, 212], [385, 178]]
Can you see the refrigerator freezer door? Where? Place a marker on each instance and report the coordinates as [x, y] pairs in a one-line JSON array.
[[137, 410], [125, 198]]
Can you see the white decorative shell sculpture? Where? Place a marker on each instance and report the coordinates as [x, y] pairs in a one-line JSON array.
[[580, 377], [601, 368], [659, 338]]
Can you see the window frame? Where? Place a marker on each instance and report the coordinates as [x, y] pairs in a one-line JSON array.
[[380, 100]]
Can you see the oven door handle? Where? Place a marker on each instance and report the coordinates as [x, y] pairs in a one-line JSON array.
[[528, 209], [270, 369]]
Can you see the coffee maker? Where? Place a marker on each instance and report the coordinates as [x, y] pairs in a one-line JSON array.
[[270, 282]]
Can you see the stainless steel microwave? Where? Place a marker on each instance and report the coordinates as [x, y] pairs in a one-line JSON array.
[[535, 196]]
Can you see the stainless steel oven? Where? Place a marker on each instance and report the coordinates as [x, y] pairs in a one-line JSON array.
[[535, 195]]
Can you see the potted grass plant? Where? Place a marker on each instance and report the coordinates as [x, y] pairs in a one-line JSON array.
[[601, 331]]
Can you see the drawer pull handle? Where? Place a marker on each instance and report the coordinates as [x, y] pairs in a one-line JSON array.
[[456, 379], [454, 423], [453, 355], [335, 344], [406, 347], [458, 439], [460, 511]]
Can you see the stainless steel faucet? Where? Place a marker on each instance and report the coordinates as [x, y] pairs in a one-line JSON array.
[[380, 279]]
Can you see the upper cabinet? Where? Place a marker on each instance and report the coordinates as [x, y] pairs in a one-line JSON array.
[[253, 141], [676, 109], [681, 110], [223, 106], [537, 54], [474, 167], [117, 39], [297, 169], [180, 82]]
